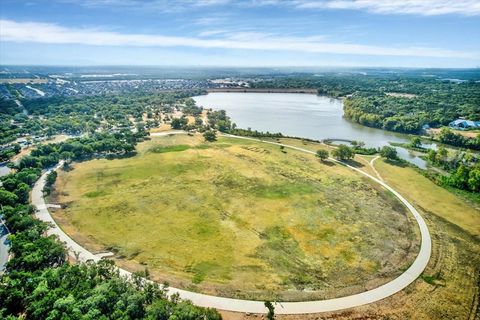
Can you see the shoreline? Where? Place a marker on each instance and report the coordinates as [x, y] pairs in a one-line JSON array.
[[264, 90]]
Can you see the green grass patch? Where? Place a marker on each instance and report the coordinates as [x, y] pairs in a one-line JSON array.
[[284, 190], [164, 149], [434, 279], [95, 194]]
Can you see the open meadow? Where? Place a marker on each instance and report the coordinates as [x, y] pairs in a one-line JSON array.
[[238, 218]]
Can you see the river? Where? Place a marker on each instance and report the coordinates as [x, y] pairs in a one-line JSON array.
[[300, 115]]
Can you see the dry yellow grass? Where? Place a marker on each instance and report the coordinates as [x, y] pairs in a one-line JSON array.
[[431, 197], [239, 218]]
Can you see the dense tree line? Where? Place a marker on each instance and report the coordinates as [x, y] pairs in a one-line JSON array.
[[39, 283], [408, 115], [447, 136], [77, 115], [463, 168], [9, 151], [9, 111]]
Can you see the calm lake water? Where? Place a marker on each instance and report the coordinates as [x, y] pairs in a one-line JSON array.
[[300, 115]]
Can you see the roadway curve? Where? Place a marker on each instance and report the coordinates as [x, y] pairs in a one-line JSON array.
[[4, 245], [250, 306]]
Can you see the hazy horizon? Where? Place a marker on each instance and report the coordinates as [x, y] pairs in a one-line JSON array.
[[249, 33]]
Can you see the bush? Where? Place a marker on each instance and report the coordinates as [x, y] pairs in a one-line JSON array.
[[210, 136]]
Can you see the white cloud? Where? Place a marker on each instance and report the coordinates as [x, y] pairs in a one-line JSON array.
[[209, 33], [55, 34], [417, 7], [161, 5]]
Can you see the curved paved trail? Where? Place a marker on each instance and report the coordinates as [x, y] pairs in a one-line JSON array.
[[238, 305], [4, 245]]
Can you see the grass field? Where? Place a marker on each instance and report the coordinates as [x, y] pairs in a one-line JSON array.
[[430, 197], [449, 287], [238, 218]]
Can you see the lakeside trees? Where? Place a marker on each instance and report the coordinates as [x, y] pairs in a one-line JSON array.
[[447, 136], [389, 153], [343, 153], [463, 168]]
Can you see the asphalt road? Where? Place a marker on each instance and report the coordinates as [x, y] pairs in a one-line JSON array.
[[4, 246], [238, 305]]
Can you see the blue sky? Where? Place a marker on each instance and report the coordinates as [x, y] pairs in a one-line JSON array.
[[392, 33]]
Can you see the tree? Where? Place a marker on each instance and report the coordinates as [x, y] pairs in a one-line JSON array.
[[343, 152], [460, 177], [51, 177], [432, 156], [176, 124], [210, 136], [442, 155], [322, 154], [389, 153], [474, 180], [8, 198], [22, 192], [416, 142], [271, 310], [358, 144]]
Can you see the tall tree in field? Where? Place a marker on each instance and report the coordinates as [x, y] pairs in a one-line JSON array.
[[322, 154]]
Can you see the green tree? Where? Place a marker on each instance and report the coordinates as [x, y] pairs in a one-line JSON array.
[[322, 154], [441, 156], [460, 178], [474, 180], [22, 192], [343, 152], [271, 310], [389, 153], [416, 142], [210, 136], [8, 198], [176, 124], [51, 177], [432, 156]]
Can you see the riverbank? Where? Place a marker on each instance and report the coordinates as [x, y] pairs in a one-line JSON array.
[[259, 90]]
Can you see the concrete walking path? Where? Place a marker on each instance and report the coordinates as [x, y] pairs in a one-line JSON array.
[[250, 306]]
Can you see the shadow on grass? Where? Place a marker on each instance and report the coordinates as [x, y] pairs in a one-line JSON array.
[[113, 156], [397, 162], [327, 163], [354, 163]]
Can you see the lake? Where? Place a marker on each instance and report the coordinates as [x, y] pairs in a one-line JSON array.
[[300, 115]]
